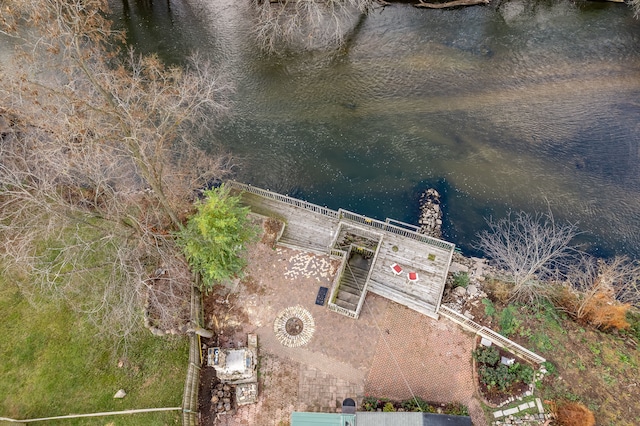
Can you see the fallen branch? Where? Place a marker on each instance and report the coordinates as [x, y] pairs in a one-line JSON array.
[[454, 3]]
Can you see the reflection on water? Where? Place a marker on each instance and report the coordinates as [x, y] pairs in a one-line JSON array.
[[520, 105]]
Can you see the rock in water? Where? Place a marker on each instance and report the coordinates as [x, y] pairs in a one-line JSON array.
[[430, 214]]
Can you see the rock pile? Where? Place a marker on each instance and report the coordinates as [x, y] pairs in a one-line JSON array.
[[430, 214], [221, 399]]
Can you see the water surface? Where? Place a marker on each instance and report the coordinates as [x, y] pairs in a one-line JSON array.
[[519, 105]]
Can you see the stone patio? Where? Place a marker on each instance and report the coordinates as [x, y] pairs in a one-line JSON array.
[[388, 350]]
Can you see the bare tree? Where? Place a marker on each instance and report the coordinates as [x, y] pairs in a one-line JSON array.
[[635, 5], [306, 24], [529, 248], [100, 162]]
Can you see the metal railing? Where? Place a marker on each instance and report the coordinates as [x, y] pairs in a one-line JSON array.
[[487, 333]]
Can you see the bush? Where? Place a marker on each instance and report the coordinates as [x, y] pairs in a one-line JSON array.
[[370, 403], [633, 318], [500, 290], [504, 376], [488, 355], [456, 409], [508, 322], [216, 236], [417, 404], [461, 279], [489, 309], [388, 407], [599, 309], [574, 414]]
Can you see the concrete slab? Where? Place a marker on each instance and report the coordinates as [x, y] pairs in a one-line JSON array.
[[511, 411]]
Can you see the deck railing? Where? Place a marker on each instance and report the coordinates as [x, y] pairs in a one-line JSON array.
[[284, 198], [403, 224], [386, 226], [340, 310], [337, 253], [487, 333], [345, 214]]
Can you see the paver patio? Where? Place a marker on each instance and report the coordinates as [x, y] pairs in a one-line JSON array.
[[345, 357]]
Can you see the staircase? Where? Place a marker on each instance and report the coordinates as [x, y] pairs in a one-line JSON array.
[[352, 283], [350, 287]]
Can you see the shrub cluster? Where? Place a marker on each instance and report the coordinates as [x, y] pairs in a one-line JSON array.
[[574, 414], [413, 405], [495, 375], [599, 309], [461, 279]]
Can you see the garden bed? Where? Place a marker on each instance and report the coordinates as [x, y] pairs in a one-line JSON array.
[[370, 403], [497, 381]]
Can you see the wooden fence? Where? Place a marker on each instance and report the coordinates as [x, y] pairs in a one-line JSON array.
[[192, 382]]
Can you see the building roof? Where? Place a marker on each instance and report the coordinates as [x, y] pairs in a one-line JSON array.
[[322, 419], [373, 418]]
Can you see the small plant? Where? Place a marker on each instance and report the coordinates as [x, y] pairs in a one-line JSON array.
[[456, 409], [550, 367], [370, 403], [508, 322], [388, 407], [489, 309], [461, 279], [417, 404]]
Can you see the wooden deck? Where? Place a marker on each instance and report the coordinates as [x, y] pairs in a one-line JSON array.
[[315, 228]]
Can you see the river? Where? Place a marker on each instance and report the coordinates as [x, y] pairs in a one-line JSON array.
[[519, 105]]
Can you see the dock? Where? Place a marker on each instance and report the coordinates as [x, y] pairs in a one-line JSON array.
[[369, 249]]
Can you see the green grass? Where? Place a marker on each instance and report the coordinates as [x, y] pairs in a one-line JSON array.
[[596, 368], [54, 362]]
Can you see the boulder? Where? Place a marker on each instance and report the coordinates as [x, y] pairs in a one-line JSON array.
[[460, 291], [472, 290], [120, 394], [457, 267]]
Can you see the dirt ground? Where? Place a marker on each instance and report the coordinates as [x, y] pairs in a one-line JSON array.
[[344, 358]]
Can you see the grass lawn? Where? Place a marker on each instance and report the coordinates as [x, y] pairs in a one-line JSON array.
[[598, 369], [53, 362]]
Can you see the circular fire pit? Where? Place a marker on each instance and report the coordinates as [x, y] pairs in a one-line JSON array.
[[294, 326]]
